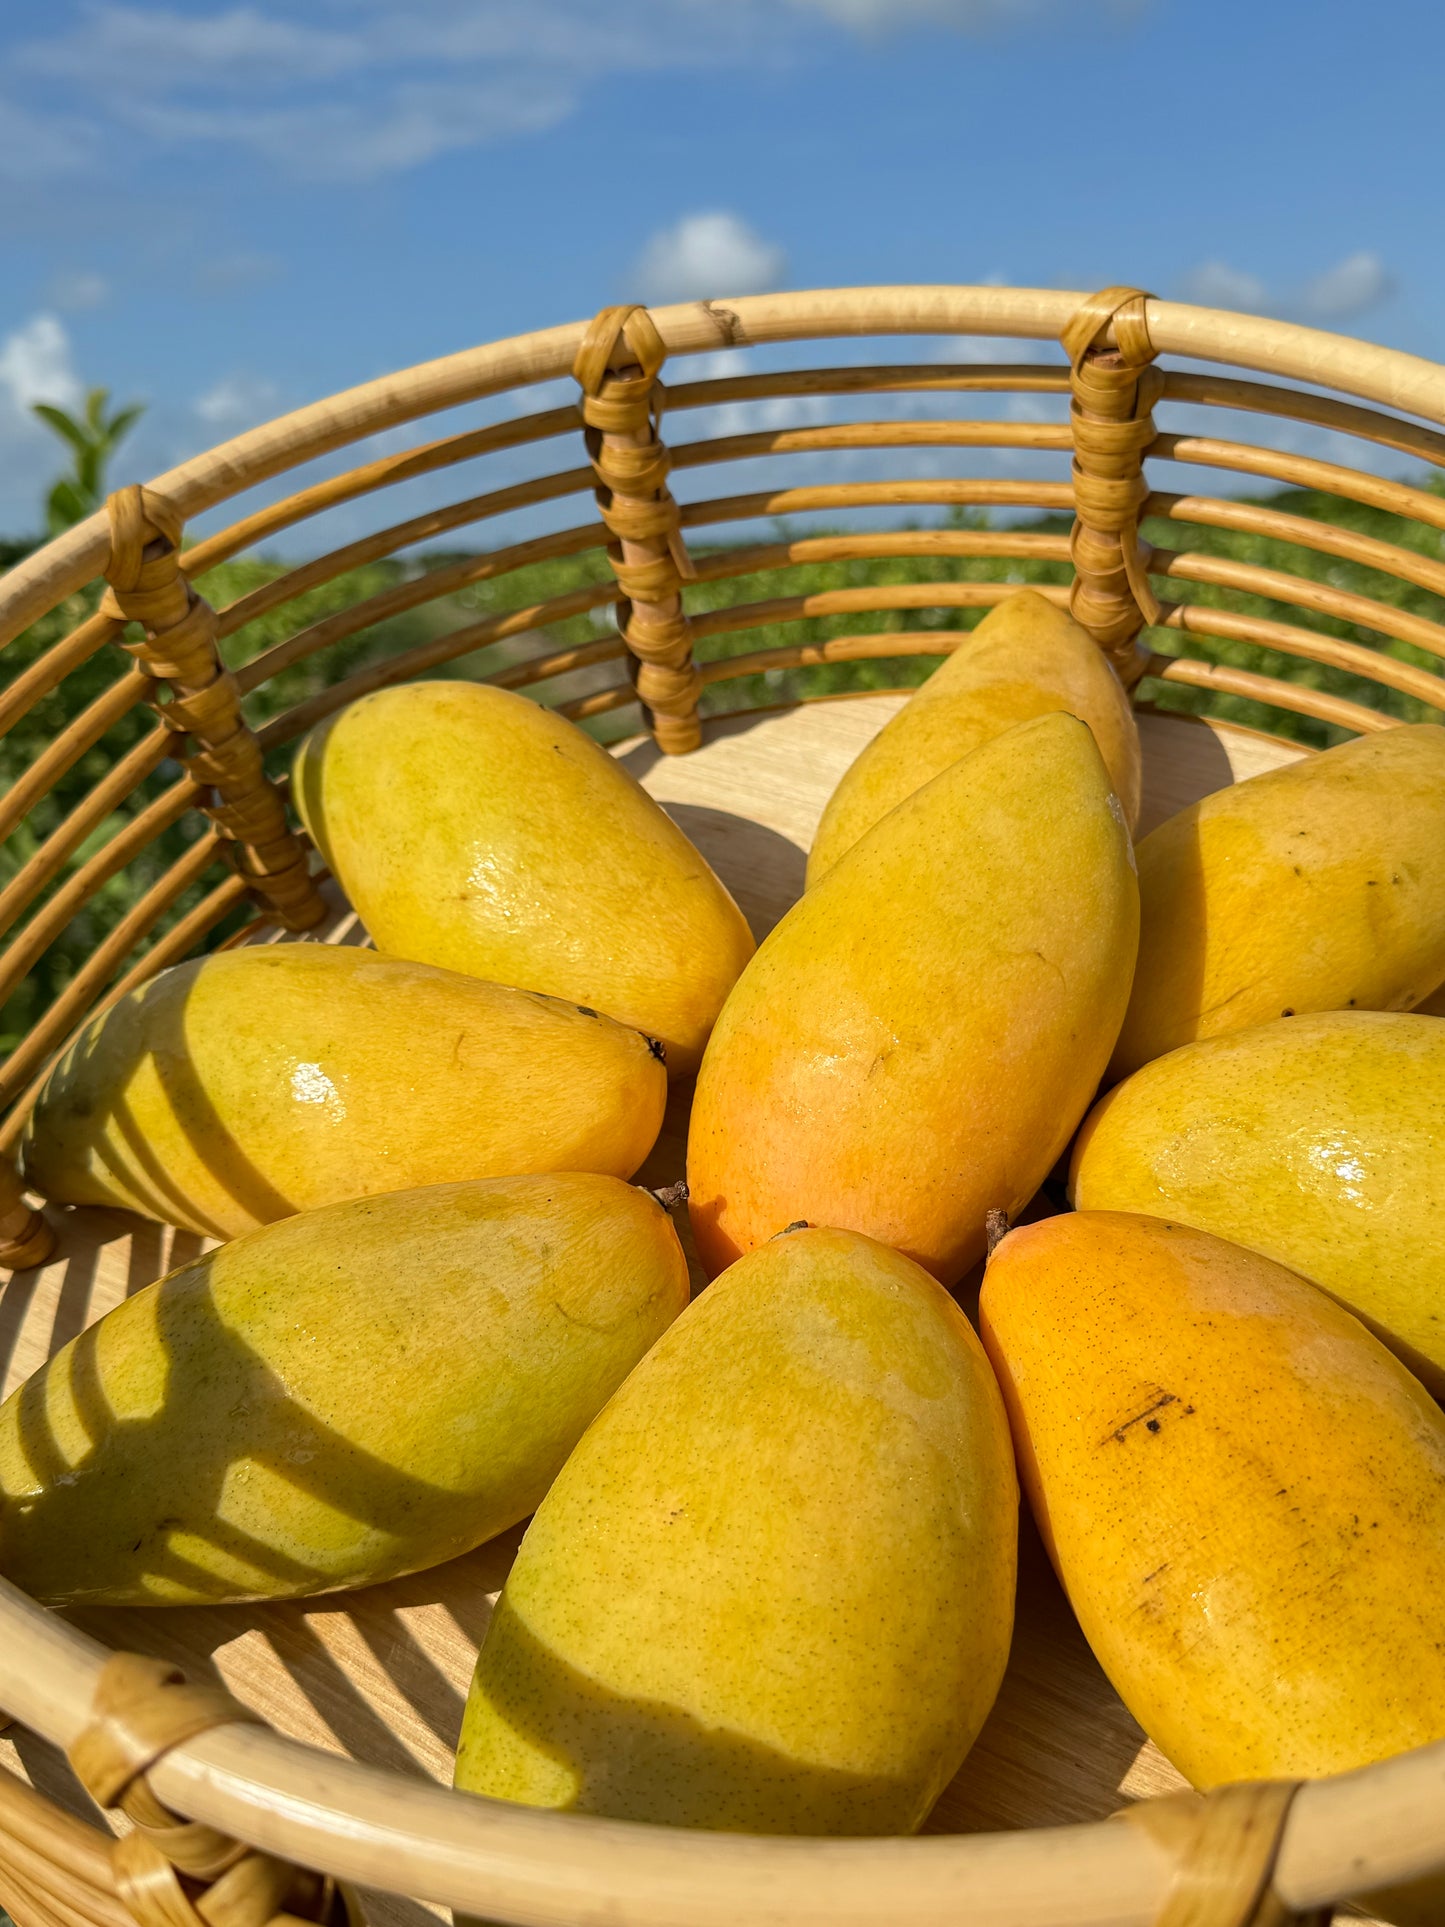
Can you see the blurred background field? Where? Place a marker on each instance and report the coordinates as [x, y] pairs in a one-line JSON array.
[[91, 437]]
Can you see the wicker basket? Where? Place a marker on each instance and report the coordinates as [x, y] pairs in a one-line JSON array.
[[349, 1706]]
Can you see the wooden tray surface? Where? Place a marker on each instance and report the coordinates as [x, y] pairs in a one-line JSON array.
[[382, 1674]]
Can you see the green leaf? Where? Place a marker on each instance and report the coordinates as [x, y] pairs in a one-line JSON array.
[[63, 424]]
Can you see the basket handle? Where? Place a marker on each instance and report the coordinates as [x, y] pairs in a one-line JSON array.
[[1224, 1845]]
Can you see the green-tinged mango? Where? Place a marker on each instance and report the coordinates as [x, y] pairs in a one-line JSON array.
[[474, 829], [1319, 1141], [255, 1083], [1026, 658], [916, 1041], [772, 1589], [1320, 886], [345, 1396], [1242, 1490]]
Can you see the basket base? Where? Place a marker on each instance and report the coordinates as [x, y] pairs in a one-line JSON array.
[[383, 1674]]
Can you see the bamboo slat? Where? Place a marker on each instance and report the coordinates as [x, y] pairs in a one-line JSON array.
[[874, 646], [926, 544], [112, 790], [952, 492], [1202, 619], [87, 639], [92, 876], [73, 1004], [895, 378], [1369, 373], [69, 746], [405, 596], [1277, 585], [1053, 437], [1326, 538], [1269, 689], [835, 602], [1302, 471], [1320, 411], [430, 655]]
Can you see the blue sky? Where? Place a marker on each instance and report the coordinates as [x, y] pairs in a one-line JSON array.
[[227, 210]]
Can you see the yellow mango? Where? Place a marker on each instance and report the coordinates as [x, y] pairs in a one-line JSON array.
[[1318, 1140], [336, 1399], [1026, 658], [772, 1589], [1434, 1004], [1243, 1493], [232, 1091], [916, 1041], [1320, 886], [473, 829]]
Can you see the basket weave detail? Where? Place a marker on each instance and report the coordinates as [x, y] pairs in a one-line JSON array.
[[620, 406], [1225, 1845], [1114, 392], [147, 586]]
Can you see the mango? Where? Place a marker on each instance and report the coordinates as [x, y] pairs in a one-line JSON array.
[[473, 829], [1026, 658], [1320, 886], [345, 1396], [772, 1589], [1434, 1004], [254, 1083], [1316, 1140], [916, 1041], [1243, 1493]]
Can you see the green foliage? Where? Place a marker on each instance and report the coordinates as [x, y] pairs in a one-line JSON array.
[[410, 616], [92, 438]]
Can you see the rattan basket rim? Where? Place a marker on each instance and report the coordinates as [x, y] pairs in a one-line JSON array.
[[1387, 376]]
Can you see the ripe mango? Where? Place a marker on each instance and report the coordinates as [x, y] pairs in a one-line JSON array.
[[915, 1042], [333, 1400], [1316, 1140], [1320, 886], [1434, 1004], [473, 829], [1243, 1493], [232, 1091], [772, 1589], [1025, 659]]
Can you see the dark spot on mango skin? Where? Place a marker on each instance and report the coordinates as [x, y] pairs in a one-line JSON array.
[[583, 1011]]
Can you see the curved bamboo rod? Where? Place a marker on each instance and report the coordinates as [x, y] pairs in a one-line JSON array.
[[875, 646], [1293, 404], [1277, 585], [70, 745], [84, 641], [77, 890], [1199, 618], [1301, 471], [1268, 689], [1381, 375], [405, 596], [922, 544], [1053, 437], [833, 602], [963, 492], [1377, 1827], [892, 378], [112, 790], [73, 1004], [1328, 538], [176, 943], [428, 655]]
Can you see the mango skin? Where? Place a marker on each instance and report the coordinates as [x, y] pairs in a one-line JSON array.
[[1318, 1141], [1434, 1004], [916, 1041], [1320, 886], [473, 829], [255, 1083], [772, 1589], [1026, 658], [1242, 1491], [333, 1400]]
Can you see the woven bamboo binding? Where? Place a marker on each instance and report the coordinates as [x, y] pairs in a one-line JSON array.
[[1224, 1845], [1114, 392], [179, 647], [649, 557], [165, 1871]]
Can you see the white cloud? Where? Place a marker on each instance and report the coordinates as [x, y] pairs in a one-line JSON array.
[[1215, 284], [76, 289], [1353, 285], [1347, 289], [705, 255], [386, 85], [239, 401], [35, 365]]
